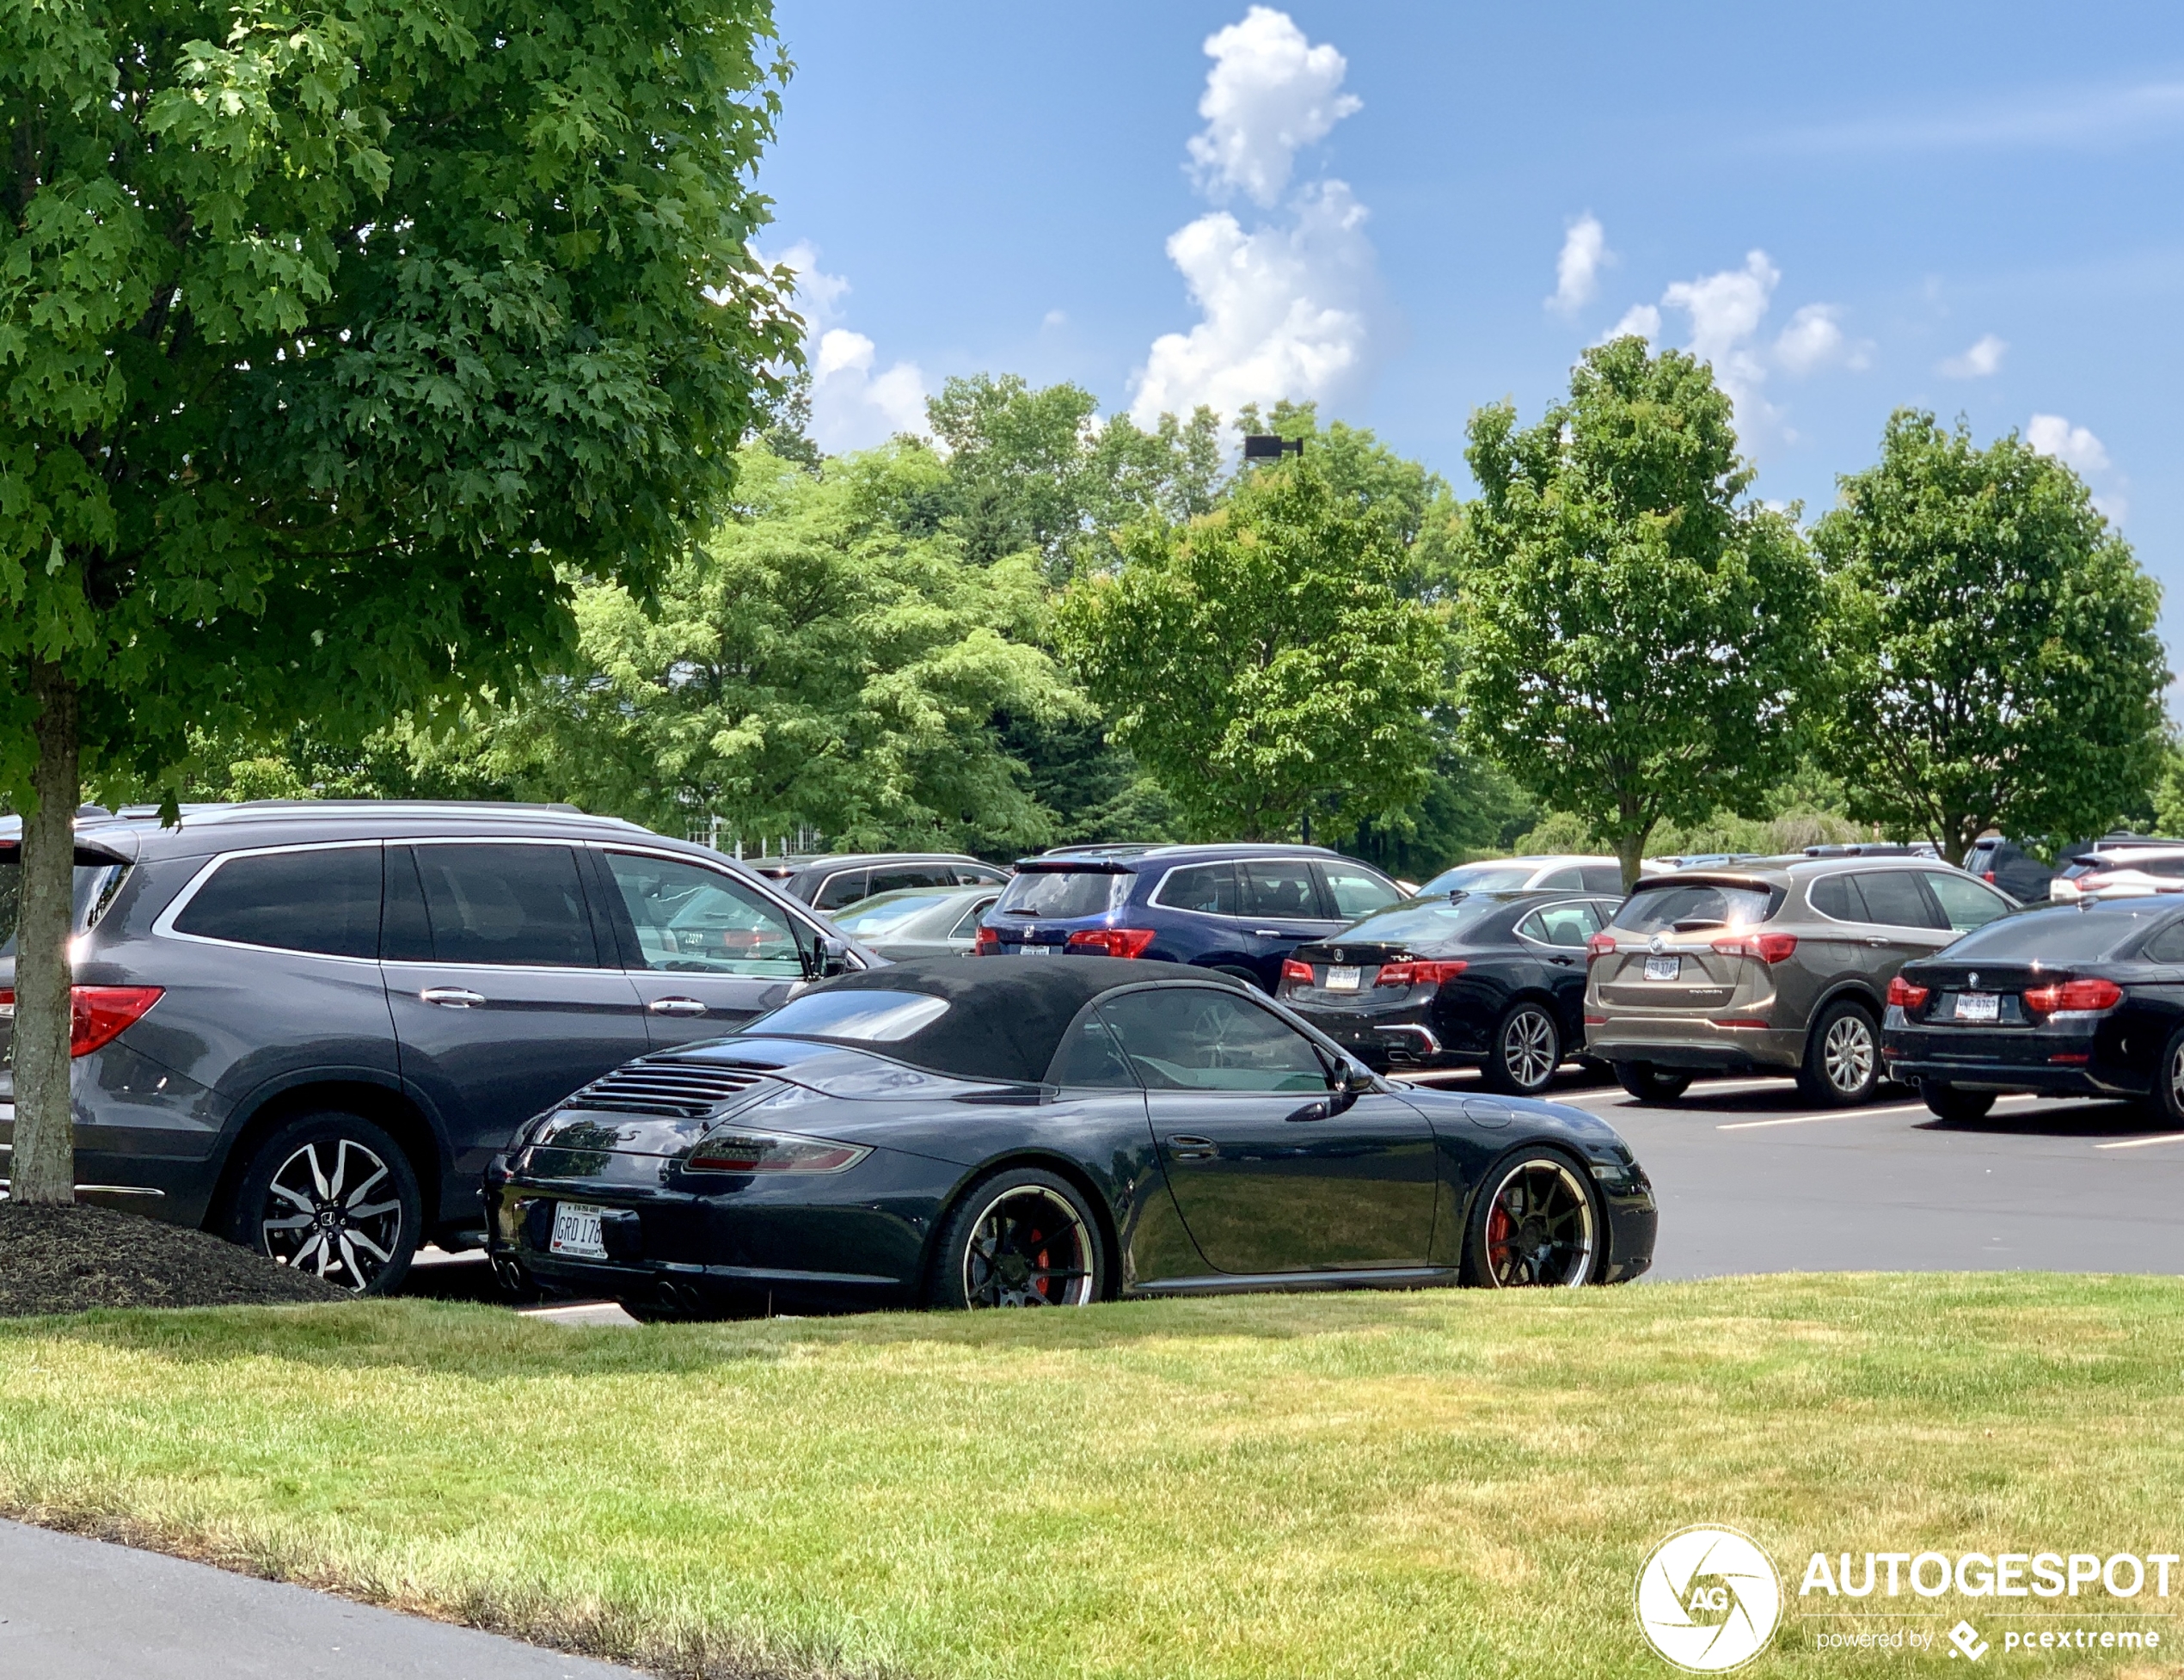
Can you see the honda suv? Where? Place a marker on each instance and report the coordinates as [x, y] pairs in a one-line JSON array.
[[1779, 966], [1238, 909], [308, 1025]]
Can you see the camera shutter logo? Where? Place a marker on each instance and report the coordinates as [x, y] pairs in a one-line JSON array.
[[1709, 1599]]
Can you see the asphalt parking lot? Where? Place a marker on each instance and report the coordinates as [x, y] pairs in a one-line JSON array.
[[1751, 1178]]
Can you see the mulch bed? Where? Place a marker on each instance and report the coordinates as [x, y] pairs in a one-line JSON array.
[[68, 1260]]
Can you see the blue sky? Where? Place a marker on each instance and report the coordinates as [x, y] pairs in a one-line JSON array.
[[1973, 209]]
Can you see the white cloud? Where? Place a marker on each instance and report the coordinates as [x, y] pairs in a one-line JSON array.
[[1055, 318], [1814, 339], [1270, 93], [1639, 320], [2073, 446], [854, 408], [819, 294], [1287, 308], [1577, 271], [1982, 359], [1726, 310]]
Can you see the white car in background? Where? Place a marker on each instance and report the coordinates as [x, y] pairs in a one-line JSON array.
[[2124, 873], [1565, 872]]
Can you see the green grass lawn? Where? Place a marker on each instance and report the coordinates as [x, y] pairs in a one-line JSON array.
[[1440, 1483]]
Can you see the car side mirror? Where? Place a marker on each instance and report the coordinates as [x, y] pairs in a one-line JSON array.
[[830, 957]]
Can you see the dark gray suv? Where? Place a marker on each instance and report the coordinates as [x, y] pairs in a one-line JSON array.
[[308, 1025]]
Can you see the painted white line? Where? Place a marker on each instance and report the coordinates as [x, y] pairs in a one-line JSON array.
[[1858, 1114], [2141, 1142]]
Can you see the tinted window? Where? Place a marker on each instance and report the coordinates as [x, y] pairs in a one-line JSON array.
[[1564, 880], [845, 888], [1602, 877], [1090, 1055], [1892, 899], [1831, 897], [688, 919], [1196, 1039], [1423, 920], [977, 875], [863, 1016], [2169, 868], [1355, 892], [968, 927], [1966, 903], [1652, 910], [95, 885], [2167, 945], [1063, 894], [326, 901], [1276, 889], [2060, 934], [1210, 888], [883, 911], [1566, 925], [897, 878], [522, 904]]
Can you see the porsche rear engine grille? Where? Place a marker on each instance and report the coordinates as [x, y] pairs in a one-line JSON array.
[[680, 1090]]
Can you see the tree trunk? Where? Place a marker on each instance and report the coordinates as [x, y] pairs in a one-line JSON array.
[[43, 1167], [1630, 849]]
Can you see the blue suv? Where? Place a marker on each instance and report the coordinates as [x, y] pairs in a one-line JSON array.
[[1238, 909]]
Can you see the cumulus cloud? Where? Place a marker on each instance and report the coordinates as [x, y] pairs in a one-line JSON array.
[[1727, 311], [1577, 271], [2076, 447], [853, 406], [2073, 446], [1286, 308], [1639, 321], [1270, 93], [1982, 359]]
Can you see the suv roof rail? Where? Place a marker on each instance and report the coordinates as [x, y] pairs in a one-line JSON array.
[[1868, 848], [307, 810]]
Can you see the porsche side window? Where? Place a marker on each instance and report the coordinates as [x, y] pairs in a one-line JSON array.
[[1197, 1039], [1090, 1056]]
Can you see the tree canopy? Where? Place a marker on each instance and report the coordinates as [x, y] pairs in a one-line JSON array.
[[331, 346], [811, 662], [1635, 638], [1260, 662], [1993, 641]]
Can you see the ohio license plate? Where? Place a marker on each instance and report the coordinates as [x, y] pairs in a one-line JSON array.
[[1977, 1006], [576, 1231], [1345, 978], [1664, 968]]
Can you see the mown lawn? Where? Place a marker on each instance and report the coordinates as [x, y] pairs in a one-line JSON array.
[[1447, 1484]]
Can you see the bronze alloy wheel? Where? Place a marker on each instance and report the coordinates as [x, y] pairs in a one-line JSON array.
[[1539, 1228]]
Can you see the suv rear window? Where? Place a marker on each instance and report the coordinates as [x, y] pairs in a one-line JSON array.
[[1063, 894], [1691, 905], [323, 901], [95, 885]]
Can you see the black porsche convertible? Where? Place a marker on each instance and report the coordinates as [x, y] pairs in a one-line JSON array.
[[1011, 1133]]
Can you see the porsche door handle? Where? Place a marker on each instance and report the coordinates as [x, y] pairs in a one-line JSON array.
[[676, 1006], [452, 997], [1192, 1149]]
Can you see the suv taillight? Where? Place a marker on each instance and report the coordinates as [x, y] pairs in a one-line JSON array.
[[1112, 941], [98, 1015], [1600, 944], [1768, 947], [987, 943]]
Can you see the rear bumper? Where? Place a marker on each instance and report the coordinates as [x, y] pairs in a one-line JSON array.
[[1407, 1036], [2009, 1061], [1686, 1041]]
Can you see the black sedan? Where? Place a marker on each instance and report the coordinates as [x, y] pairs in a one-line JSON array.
[[2084, 998], [959, 1134], [1491, 980]]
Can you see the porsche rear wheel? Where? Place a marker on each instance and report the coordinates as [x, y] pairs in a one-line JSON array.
[[1024, 1237]]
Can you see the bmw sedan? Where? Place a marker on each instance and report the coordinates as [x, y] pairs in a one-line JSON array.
[[1491, 980], [2084, 998], [957, 1134]]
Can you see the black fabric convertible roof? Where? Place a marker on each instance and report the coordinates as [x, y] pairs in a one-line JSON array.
[[1008, 1012]]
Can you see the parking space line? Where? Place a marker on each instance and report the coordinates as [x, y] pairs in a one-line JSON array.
[[1857, 1114], [2141, 1142]]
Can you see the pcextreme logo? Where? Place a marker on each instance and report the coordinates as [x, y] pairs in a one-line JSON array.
[[1709, 1599]]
